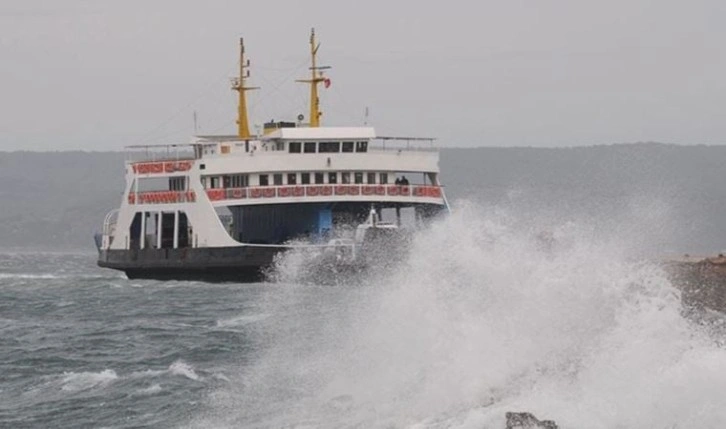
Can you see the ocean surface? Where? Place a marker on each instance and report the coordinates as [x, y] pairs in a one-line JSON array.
[[482, 317]]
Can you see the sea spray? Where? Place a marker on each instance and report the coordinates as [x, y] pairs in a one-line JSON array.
[[480, 319]]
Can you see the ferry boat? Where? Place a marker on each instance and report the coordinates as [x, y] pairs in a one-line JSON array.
[[221, 207]]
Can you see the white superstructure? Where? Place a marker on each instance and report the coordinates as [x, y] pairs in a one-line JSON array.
[[294, 181]]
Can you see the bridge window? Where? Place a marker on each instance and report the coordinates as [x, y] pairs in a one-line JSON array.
[[309, 147], [305, 178], [361, 146], [329, 147], [294, 147], [177, 183], [358, 177], [384, 178], [332, 178], [277, 178], [345, 178], [347, 146], [319, 178], [239, 180], [264, 180], [371, 178], [292, 179]]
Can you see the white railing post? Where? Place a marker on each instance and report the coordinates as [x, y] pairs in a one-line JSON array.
[[158, 229], [176, 229], [142, 239]]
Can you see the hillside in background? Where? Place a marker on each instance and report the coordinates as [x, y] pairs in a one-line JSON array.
[[674, 194]]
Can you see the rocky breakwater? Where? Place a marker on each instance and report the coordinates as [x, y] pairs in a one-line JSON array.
[[702, 280]]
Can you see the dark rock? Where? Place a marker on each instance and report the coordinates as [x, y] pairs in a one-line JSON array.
[[527, 421]]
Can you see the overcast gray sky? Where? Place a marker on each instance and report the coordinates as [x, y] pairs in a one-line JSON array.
[[101, 74]]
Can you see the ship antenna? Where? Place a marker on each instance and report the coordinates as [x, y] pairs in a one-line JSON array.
[[316, 77], [238, 84]]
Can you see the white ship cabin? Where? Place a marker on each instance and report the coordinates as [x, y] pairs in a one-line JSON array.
[[293, 183]]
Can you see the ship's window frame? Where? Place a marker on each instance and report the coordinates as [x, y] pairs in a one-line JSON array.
[[358, 177], [304, 178], [329, 147], [383, 178], [371, 178], [294, 147], [361, 146], [292, 176], [345, 177], [277, 179], [239, 180], [348, 147], [332, 177], [178, 183], [309, 147], [264, 179], [319, 178]]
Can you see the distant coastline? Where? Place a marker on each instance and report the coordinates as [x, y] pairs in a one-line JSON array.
[[55, 201]]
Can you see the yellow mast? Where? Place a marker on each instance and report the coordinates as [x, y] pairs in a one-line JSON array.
[[238, 84], [315, 78]]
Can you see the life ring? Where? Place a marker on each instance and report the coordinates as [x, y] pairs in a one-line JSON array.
[[380, 190], [268, 192], [435, 192], [393, 190], [298, 191], [215, 194], [353, 190], [341, 190], [284, 191], [326, 190], [238, 193], [368, 190], [255, 193], [405, 190], [312, 191], [157, 167], [184, 166], [169, 167]]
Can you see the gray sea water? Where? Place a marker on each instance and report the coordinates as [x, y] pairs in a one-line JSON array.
[[476, 321]]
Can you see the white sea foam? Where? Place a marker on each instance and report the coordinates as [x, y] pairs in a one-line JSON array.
[[241, 320], [30, 276], [481, 320], [183, 369], [76, 381], [150, 390]]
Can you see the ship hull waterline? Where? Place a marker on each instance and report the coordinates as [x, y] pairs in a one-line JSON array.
[[217, 264]]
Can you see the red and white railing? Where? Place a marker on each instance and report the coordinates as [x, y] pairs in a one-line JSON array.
[[163, 167], [290, 191]]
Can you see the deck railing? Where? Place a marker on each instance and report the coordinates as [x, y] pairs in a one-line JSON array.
[[288, 191]]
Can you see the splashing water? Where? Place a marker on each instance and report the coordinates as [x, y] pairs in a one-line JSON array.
[[479, 320]]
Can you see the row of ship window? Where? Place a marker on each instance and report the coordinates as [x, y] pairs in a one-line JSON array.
[[278, 179], [327, 147]]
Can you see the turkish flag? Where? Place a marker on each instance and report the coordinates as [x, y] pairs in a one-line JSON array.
[[326, 82]]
